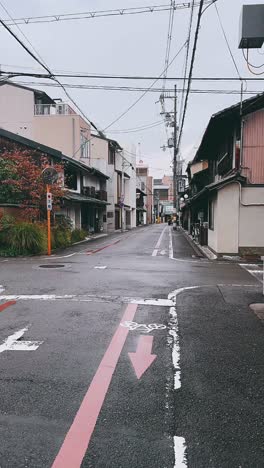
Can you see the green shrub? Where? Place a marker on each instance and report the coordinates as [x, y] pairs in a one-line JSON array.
[[6, 224], [61, 237], [7, 252], [27, 238], [78, 235]]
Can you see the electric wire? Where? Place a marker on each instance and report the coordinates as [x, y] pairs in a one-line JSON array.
[[43, 65], [190, 71], [226, 40], [167, 57], [145, 92], [130, 89], [186, 58], [133, 104], [126, 77], [247, 60], [27, 20], [249, 65]]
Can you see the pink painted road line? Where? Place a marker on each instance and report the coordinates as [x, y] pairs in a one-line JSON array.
[[79, 435], [6, 304], [91, 252]]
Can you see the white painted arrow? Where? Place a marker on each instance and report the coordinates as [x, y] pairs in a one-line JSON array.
[[12, 343]]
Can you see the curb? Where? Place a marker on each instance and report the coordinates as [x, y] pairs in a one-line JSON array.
[[201, 250], [197, 248]]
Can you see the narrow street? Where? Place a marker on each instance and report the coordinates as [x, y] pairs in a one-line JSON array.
[[132, 352]]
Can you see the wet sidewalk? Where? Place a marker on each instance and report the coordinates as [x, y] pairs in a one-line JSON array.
[[182, 247]]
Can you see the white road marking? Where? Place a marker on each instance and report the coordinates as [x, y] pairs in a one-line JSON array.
[[142, 327], [29, 297], [156, 249], [52, 257], [154, 302], [170, 245], [86, 298], [254, 270], [173, 338], [100, 267], [12, 343], [179, 452]]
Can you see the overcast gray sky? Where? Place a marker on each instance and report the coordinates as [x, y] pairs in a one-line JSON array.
[[132, 45]]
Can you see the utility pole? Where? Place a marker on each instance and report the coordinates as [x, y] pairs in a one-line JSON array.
[[175, 160]]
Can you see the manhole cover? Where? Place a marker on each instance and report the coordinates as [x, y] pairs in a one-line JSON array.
[[54, 265]]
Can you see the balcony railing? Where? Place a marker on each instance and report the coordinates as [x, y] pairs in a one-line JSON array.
[[91, 192], [53, 109]]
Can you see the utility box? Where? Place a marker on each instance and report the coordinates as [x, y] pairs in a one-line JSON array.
[[251, 34]]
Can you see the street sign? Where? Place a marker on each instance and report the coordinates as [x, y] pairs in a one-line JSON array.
[[50, 175], [49, 201]]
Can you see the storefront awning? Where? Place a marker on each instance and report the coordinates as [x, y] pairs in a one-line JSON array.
[[77, 197]]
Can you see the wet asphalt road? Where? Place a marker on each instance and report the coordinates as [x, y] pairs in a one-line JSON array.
[[199, 404]]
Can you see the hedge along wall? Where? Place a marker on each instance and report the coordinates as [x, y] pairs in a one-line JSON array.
[[14, 211]]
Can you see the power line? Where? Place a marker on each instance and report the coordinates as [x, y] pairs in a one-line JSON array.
[[144, 93], [168, 45], [138, 129], [191, 70], [20, 30], [99, 14], [133, 104], [166, 61], [187, 57], [131, 88], [26, 48], [226, 40], [43, 65], [126, 77]]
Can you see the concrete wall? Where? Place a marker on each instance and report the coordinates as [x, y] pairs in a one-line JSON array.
[[198, 167], [238, 227], [212, 233], [251, 222], [99, 160], [228, 219], [99, 154], [225, 236], [62, 132], [150, 200], [16, 110]]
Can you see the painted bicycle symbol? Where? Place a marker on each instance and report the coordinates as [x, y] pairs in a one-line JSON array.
[[142, 327]]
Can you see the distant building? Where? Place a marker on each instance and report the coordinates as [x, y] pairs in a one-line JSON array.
[[145, 190], [163, 197]]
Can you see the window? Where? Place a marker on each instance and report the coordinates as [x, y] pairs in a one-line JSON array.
[[111, 156], [211, 215], [70, 179], [84, 146]]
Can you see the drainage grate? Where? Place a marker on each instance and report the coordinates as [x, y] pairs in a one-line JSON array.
[[54, 265]]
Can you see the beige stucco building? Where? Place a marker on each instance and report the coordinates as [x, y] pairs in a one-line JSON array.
[[32, 114]]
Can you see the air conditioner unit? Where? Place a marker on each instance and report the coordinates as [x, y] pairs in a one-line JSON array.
[[62, 109]]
